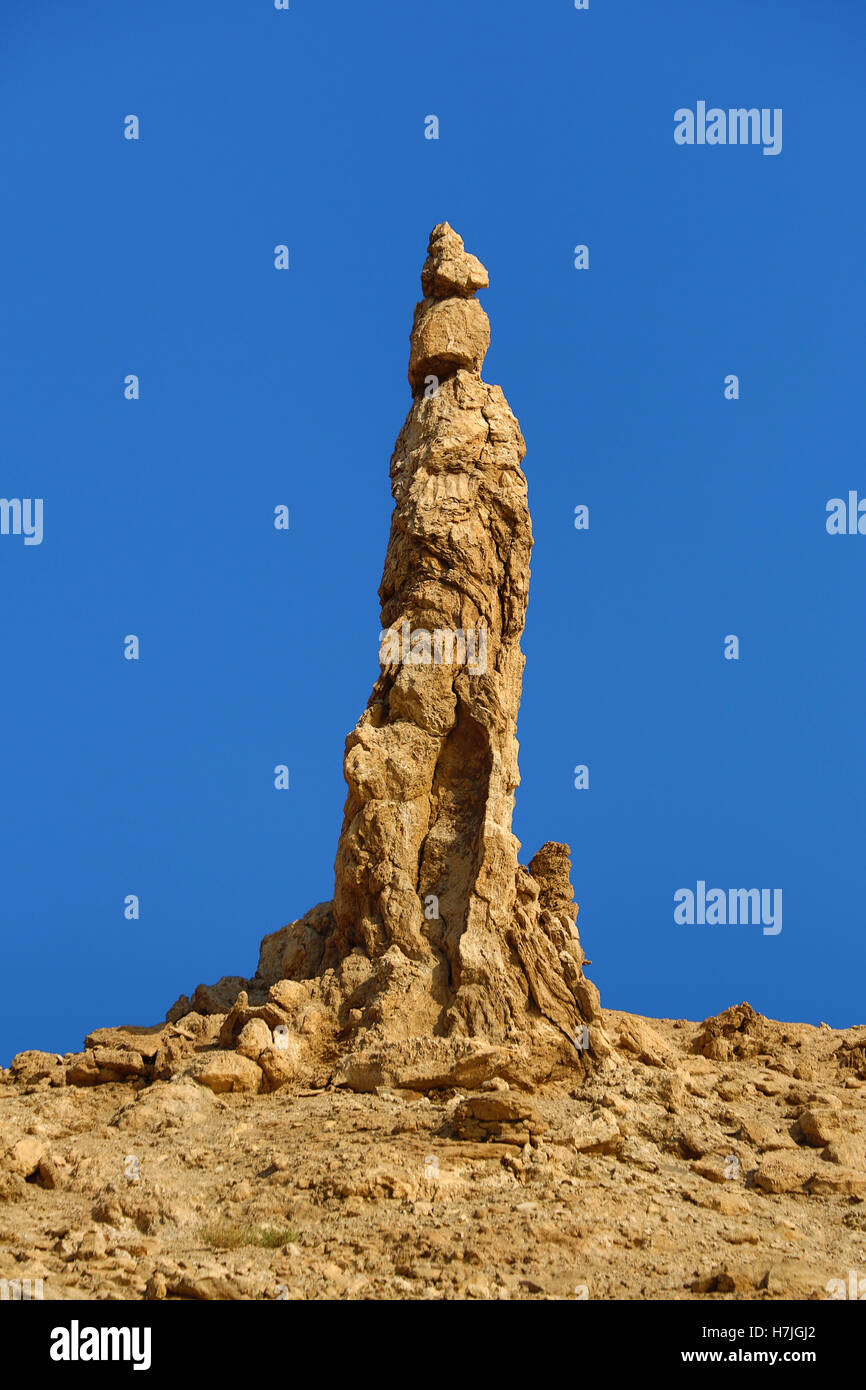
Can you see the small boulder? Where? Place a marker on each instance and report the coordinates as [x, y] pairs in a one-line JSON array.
[[25, 1157], [781, 1171], [449, 268], [820, 1125], [833, 1181], [92, 1246], [30, 1067], [280, 1065], [599, 1134], [226, 1071], [253, 1038], [447, 334]]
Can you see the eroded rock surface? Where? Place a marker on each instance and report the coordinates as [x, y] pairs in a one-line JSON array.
[[425, 1044], [435, 930], [662, 1174]]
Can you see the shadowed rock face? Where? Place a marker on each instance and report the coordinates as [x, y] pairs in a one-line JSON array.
[[427, 861], [440, 961], [455, 937]]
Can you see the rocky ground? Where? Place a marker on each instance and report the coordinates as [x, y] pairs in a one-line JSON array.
[[717, 1160]]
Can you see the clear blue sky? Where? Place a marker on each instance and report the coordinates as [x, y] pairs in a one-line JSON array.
[[259, 387]]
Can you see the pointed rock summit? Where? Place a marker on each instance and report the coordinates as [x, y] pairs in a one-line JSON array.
[[435, 930], [450, 328], [440, 961]]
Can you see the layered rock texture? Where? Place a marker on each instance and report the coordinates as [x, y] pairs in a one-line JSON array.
[[435, 931], [440, 957], [723, 1160]]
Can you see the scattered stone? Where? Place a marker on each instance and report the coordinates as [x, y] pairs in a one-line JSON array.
[[639, 1038], [764, 1135], [725, 1200], [48, 1174], [25, 1157], [598, 1133], [253, 1038], [831, 1181], [728, 1278], [92, 1246], [820, 1125], [226, 1071], [714, 1167], [505, 1116], [165, 1105], [785, 1172], [848, 1151], [32, 1067]]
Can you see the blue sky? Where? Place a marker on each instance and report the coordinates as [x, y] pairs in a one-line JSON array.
[[260, 387]]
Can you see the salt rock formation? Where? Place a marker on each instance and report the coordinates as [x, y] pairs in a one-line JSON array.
[[435, 930], [440, 960]]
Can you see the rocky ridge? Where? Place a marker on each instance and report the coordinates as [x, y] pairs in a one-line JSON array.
[[722, 1160], [419, 1066]]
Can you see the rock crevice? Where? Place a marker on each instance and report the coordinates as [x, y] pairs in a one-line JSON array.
[[453, 936]]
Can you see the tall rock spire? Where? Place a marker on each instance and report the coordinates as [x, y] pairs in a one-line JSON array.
[[432, 764], [435, 930]]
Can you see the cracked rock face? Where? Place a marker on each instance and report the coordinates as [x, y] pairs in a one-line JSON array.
[[435, 930]]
